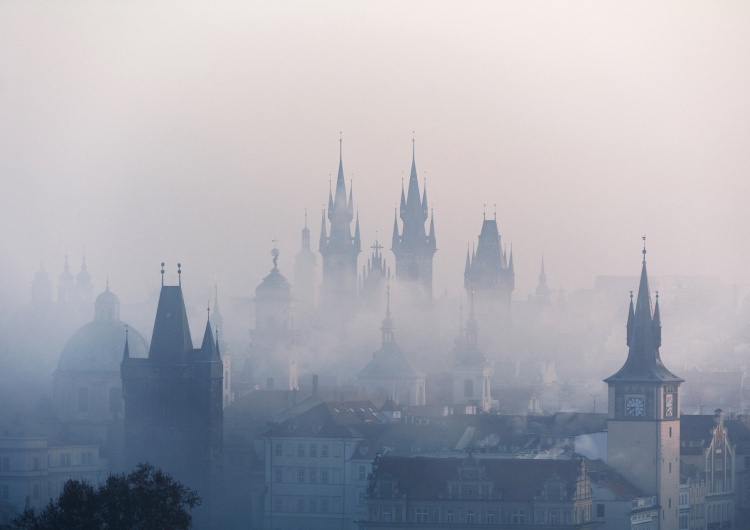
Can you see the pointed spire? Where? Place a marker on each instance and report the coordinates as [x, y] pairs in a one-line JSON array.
[[424, 198], [323, 233], [208, 347], [217, 353], [657, 323], [396, 238], [387, 329], [631, 322], [510, 260], [126, 351], [644, 339], [330, 200], [467, 268], [403, 198]]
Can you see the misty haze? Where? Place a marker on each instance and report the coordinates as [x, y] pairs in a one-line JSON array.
[[393, 265]]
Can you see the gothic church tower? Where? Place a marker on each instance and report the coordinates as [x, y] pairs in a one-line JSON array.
[[339, 249], [413, 247], [489, 273], [643, 441]]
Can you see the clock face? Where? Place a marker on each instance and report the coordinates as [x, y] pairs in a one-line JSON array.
[[634, 406], [669, 405]]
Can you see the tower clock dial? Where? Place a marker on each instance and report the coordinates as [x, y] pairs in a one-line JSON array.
[[634, 406]]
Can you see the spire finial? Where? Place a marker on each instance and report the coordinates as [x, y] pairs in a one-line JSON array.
[[179, 273], [305, 217], [631, 296], [341, 141], [412, 144], [495, 210], [484, 212], [162, 274], [208, 309], [644, 248]]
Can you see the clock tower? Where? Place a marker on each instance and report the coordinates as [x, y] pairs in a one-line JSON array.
[[643, 441]]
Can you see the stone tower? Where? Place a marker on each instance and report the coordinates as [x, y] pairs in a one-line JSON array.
[[173, 402], [272, 340], [414, 247], [643, 441], [339, 250], [489, 274]]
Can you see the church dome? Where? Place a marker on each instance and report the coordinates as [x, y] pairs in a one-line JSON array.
[[98, 346], [274, 287], [107, 306]]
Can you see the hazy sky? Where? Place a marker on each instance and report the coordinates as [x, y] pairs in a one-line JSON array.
[[200, 131]]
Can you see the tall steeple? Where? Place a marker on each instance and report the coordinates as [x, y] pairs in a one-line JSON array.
[[65, 283], [339, 248], [542, 291], [643, 424], [643, 339], [413, 247]]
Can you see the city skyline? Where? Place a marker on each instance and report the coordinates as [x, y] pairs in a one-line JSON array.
[[139, 134]]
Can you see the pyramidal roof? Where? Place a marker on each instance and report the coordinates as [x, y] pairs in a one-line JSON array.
[[171, 338], [643, 339]]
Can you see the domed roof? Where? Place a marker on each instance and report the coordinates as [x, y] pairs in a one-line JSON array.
[[274, 287], [98, 346], [107, 298]]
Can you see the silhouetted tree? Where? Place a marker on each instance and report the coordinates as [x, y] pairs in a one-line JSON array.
[[146, 499]]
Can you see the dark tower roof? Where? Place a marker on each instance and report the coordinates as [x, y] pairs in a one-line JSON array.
[[488, 267], [644, 339], [209, 347], [171, 338]]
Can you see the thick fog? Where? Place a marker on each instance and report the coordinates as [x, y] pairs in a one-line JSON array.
[[201, 133]]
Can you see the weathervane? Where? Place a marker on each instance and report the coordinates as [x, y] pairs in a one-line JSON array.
[[275, 253]]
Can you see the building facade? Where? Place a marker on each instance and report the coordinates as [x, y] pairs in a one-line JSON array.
[[468, 492]]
